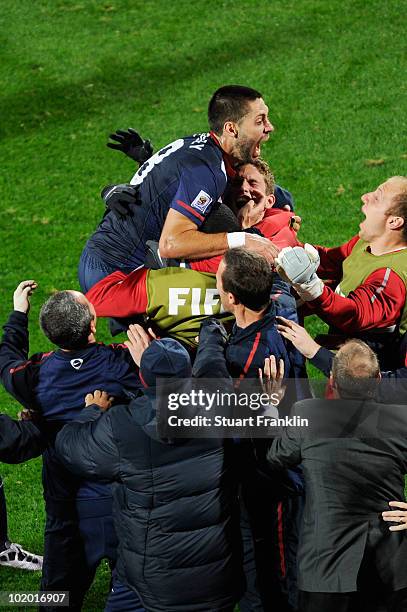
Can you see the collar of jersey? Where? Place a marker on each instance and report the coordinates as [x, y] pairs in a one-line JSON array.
[[69, 355], [268, 320]]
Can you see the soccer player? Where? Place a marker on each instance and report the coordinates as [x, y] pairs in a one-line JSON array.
[[177, 189]]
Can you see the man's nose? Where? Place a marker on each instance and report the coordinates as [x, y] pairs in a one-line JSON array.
[[245, 187], [365, 198], [268, 127]]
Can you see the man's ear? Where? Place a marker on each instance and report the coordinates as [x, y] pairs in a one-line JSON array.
[[230, 129], [271, 198], [332, 383], [93, 326], [395, 222], [233, 299]]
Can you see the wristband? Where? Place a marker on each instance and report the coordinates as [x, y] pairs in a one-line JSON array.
[[236, 239]]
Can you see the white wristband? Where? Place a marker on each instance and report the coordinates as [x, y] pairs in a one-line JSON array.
[[236, 239]]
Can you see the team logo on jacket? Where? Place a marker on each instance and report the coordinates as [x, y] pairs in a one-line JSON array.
[[201, 201], [76, 363]]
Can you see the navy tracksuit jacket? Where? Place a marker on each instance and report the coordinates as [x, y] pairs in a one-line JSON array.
[[54, 384]]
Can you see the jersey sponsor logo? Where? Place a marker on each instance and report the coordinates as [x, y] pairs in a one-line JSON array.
[[201, 201], [198, 301], [76, 363]]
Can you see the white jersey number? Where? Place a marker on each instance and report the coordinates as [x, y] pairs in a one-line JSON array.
[[157, 158]]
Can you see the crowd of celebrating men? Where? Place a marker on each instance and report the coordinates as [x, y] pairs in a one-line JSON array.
[[200, 261]]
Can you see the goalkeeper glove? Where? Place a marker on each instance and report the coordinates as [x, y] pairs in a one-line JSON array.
[[298, 266]]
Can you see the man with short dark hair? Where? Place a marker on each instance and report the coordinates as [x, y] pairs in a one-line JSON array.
[[354, 457], [178, 187], [79, 525], [244, 280]]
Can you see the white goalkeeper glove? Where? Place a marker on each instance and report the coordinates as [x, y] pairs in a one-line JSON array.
[[298, 266]]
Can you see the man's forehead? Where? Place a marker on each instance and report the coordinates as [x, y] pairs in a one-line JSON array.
[[393, 185], [258, 107], [249, 171], [219, 271], [396, 183]]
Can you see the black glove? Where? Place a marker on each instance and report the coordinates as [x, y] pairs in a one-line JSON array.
[[132, 145], [119, 198]]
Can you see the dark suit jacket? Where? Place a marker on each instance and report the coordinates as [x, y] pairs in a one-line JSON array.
[[354, 457]]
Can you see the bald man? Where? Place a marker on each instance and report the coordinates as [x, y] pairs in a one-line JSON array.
[[369, 273], [354, 457]]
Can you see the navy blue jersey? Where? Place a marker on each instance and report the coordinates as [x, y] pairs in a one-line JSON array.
[[188, 175], [55, 385]]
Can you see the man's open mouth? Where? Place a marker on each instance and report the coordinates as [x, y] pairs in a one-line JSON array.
[[257, 150]]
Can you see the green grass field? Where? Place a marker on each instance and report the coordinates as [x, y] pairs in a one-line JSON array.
[[72, 71]]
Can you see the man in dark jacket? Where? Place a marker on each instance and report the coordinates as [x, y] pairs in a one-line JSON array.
[[354, 456], [244, 281], [176, 518], [269, 514], [79, 527]]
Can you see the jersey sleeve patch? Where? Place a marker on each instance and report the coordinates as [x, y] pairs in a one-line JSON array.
[[202, 201]]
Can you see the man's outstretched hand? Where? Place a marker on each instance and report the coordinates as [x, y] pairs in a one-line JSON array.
[[132, 145], [138, 341], [21, 295], [298, 336], [271, 379]]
